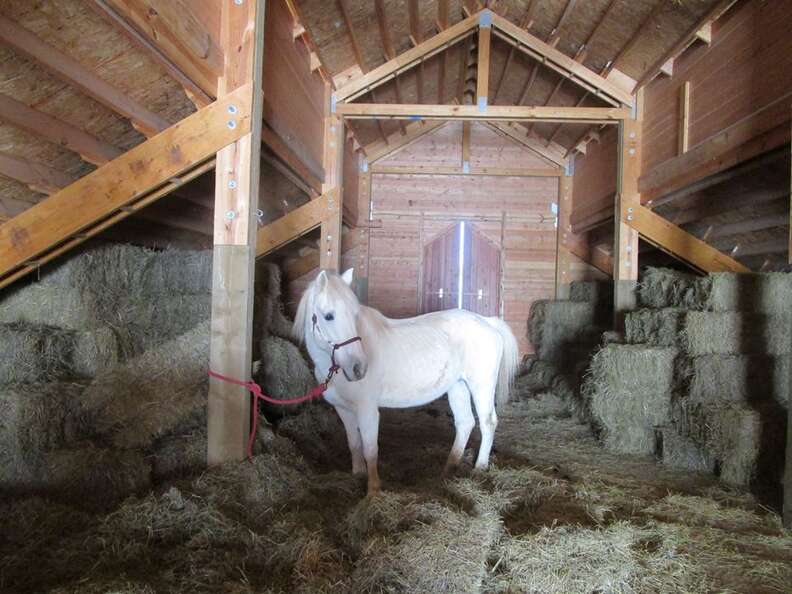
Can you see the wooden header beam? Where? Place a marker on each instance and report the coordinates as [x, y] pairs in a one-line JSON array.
[[592, 115], [133, 175], [296, 223], [481, 171]]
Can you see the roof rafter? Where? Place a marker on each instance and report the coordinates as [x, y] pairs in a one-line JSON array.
[[80, 77]]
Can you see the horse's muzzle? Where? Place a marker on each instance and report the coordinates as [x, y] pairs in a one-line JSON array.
[[356, 373]]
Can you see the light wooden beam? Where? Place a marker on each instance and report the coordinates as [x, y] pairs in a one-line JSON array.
[[685, 40], [199, 96], [442, 26], [748, 226], [132, 176], [331, 226], [684, 118], [636, 36], [464, 62], [80, 77], [173, 27], [237, 178], [552, 58], [403, 62], [296, 223], [396, 142], [416, 37], [555, 34], [36, 176], [563, 237], [45, 126], [478, 171], [466, 146], [552, 153], [483, 64], [603, 115]]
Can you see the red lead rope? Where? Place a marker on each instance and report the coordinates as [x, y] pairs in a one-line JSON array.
[[255, 389]]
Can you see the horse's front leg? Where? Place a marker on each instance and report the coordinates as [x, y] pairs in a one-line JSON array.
[[368, 423], [349, 418]]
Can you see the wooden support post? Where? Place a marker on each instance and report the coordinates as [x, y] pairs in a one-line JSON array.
[[482, 76], [465, 147], [236, 203], [563, 234], [684, 118], [330, 248], [788, 461], [361, 284], [625, 240]]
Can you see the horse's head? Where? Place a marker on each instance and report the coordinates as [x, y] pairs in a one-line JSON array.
[[329, 309]]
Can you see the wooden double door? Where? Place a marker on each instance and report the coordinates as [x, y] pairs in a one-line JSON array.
[[461, 269]]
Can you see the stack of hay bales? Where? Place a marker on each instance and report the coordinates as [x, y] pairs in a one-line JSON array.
[[564, 333], [103, 378], [703, 380]]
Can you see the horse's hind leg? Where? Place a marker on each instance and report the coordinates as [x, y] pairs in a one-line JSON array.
[[484, 399], [459, 401]]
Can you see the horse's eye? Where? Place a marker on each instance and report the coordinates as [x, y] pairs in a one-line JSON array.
[[329, 317]]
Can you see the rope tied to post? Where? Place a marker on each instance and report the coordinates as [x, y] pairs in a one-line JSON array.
[[258, 394]]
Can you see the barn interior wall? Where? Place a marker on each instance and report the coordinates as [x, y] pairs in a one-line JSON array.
[[514, 213], [293, 95]]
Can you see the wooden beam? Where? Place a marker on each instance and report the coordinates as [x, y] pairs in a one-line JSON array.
[[199, 96], [298, 267], [290, 158], [638, 34], [688, 37], [552, 153], [483, 64], [396, 142], [442, 25], [563, 237], [296, 223], [45, 126], [407, 60], [684, 117], [103, 223], [719, 204], [680, 243], [583, 50], [173, 27], [80, 77], [121, 181], [36, 176], [465, 146], [592, 255], [236, 201], [416, 37], [764, 130], [551, 57], [499, 85], [748, 226], [330, 246], [384, 30], [478, 171], [601, 115]]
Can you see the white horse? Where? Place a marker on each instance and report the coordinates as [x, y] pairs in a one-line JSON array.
[[403, 363]]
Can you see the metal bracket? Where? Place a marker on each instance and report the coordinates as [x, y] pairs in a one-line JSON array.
[[415, 118], [332, 103], [569, 168], [482, 104], [485, 19], [465, 166], [364, 166]]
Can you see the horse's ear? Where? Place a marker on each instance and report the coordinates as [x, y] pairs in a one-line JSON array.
[[347, 276], [321, 280]]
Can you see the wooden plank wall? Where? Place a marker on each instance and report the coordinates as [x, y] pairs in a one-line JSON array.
[[293, 95], [747, 67], [350, 182], [594, 181], [513, 212]]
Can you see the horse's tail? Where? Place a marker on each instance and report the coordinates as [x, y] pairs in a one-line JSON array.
[[509, 361]]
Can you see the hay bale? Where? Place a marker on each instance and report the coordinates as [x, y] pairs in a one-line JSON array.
[[656, 327], [596, 292], [283, 373], [35, 418], [739, 378], [724, 333], [34, 353], [731, 433], [95, 351], [43, 305], [179, 455], [556, 327], [152, 395], [628, 390], [683, 453], [123, 268], [664, 287], [767, 293], [538, 376]]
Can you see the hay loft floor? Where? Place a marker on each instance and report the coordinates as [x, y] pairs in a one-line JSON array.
[[556, 513]]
